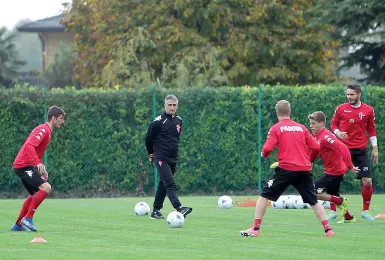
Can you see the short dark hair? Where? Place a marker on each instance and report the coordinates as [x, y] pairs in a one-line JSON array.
[[355, 87], [317, 116], [55, 111]]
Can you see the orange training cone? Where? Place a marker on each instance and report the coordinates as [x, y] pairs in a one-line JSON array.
[[382, 215], [38, 240]]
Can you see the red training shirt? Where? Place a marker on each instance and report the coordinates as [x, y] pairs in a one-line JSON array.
[[334, 154], [294, 142], [32, 151], [356, 122]]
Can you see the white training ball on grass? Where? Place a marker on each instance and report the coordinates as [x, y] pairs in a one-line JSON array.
[[289, 204], [298, 203], [142, 209], [175, 219], [225, 202], [278, 204], [326, 204]]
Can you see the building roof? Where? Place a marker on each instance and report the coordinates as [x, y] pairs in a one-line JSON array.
[[50, 24]]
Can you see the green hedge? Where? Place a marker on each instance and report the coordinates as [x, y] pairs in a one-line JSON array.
[[100, 150]]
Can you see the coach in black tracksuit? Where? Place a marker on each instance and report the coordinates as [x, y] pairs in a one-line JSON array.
[[162, 143]]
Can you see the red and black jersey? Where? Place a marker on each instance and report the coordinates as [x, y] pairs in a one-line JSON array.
[[334, 154], [294, 142], [162, 137], [356, 121], [32, 151]]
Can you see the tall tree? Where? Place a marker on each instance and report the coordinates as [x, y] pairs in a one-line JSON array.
[[199, 42], [360, 28], [9, 58]]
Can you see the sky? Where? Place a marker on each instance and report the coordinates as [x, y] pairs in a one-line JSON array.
[[12, 11]]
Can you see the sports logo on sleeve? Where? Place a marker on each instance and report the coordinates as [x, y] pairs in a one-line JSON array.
[[329, 139], [178, 128]]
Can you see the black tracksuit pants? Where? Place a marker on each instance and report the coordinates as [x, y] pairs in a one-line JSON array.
[[166, 184]]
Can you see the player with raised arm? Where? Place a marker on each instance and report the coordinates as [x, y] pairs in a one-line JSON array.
[[294, 142], [28, 165], [351, 123], [336, 159]]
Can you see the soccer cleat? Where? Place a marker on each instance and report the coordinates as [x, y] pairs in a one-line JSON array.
[[342, 221], [185, 211], [250, 232], [156, 215], [332, 215], [366, 215], [329, 233], [28, 223], [343, 207], [16, 227]]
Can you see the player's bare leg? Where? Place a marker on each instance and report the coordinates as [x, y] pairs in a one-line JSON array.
[[341, 202], [260, 209], [321, 215]]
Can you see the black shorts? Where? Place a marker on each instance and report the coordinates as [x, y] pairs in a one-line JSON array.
[[360, 158], [301, 180], [31, 178], [329, 184]]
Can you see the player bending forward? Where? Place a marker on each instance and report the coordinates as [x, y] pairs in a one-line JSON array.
[[29, 167], [336, 159]]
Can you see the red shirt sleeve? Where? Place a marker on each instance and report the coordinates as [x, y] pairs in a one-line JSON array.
[[271, 142], [34, 140], [334, 144], [313, 155], [371, 126], [311, 142], [335, 121]]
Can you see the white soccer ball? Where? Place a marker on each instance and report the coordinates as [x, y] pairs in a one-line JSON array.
[[225, 202], [326, 204], [298, 203], [175, 219], [142, 209], [278, 204], [289, 204]]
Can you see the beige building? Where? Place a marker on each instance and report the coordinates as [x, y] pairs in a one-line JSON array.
[[52, 35]]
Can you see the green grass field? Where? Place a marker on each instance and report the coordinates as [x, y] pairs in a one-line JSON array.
[[108, 229]]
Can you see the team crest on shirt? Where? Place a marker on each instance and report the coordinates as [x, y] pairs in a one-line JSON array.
[[361, 115], [160, 163], [351, 121], [178, 128]]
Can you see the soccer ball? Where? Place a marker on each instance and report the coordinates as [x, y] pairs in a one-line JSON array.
[[225, 202], [289, 204], [298, 203], [325, 204], [142, 209], [175, 219], [278, 204]]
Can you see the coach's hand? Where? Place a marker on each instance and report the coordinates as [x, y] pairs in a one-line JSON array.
[[375, 154], [355, 170], [151, 158]]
